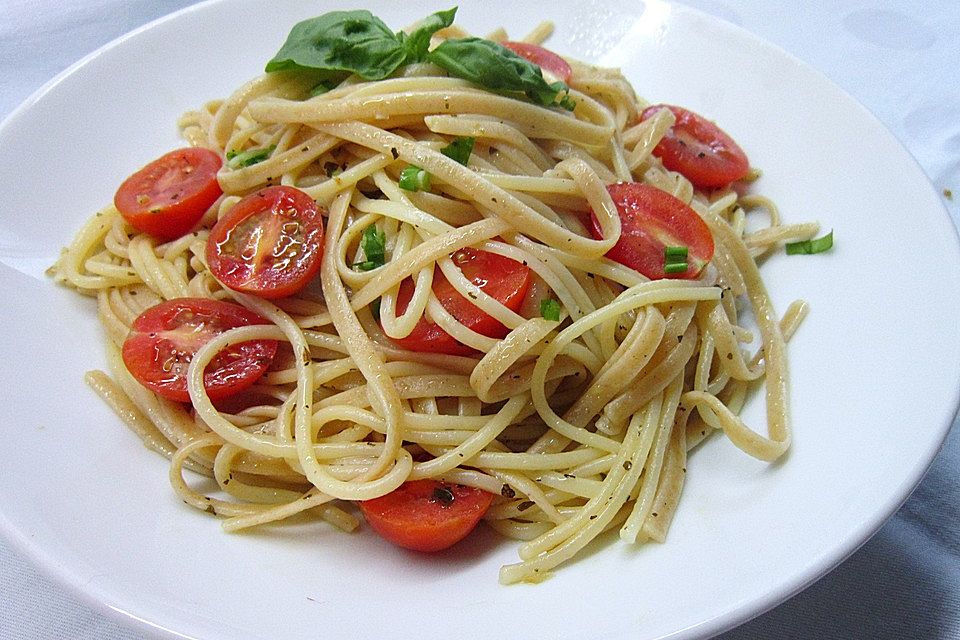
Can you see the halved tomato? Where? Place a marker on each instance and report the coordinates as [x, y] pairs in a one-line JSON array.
[[426, 515], [544, 58], [699, 149], [168, 197], [501, 278], [650, 221], [270, 244], [165, 337]]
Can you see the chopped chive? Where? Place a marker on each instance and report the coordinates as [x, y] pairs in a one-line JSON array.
[[675, 254], [414, 178], [550, 309], [374, 245], [675, 267], [238, 159], [816, 245], [459, 149]]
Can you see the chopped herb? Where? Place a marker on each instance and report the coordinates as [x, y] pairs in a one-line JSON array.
[[948, 194], [332, 169], [374, 245], [443, 495], [507, 491], [375, 310], [675, 259], [816, 245], [675, 254], [550, 310], [238, 159], [414, 179], [459, 149]]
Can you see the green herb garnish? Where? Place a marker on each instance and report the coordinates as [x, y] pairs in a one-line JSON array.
[[414, 179], [340, 43], [816, 245], [459, 149], [238, 159], [496, 68], [675, 259], [374, 247], [550, 310]]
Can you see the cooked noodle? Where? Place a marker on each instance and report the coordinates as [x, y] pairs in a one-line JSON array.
[[579, 426]]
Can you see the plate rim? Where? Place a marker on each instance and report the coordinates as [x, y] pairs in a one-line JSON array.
[[47, 565]]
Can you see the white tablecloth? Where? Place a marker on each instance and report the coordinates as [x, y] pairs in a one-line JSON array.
[[898, 57]]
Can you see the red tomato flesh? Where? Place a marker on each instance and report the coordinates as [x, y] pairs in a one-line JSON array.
[[650, 220], [270, 244], [168, 197], [699, 149], [501, 278], [426, 515], [544, 58], [165, 337]]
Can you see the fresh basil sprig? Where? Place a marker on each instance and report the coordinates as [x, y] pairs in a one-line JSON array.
[[340, 43], [494, 67]]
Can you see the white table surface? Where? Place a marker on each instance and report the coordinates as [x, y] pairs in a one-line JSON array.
[[900, 58]]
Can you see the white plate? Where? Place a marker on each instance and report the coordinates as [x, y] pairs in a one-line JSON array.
[[875, 368]]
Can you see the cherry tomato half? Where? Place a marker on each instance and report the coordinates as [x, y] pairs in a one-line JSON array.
[[501, 278], [165, 337], [270, 244], [426, 515], [544, 58], [650, 220], [169, 196], [699, 149]]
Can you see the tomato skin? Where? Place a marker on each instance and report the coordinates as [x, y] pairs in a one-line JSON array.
[[165, 337], [650, 220], [543, 58], [270, 244], [168, 197], [699, 149], [414, 517], [504, 279]]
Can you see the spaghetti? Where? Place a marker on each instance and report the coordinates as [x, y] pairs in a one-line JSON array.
[[578, 422]]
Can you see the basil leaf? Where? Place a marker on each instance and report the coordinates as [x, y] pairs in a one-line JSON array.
[[418, 41], [498, 69], [341, 43]]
